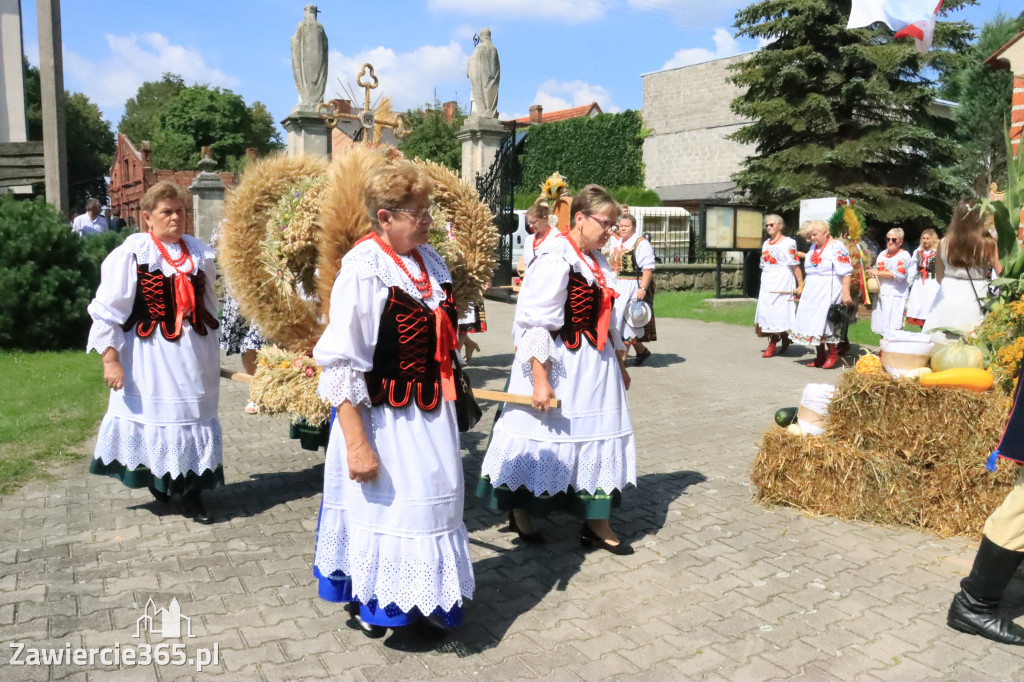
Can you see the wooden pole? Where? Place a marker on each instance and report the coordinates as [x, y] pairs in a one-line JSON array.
[[51, 86]]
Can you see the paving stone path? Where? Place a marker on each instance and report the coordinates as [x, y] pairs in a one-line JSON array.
[[719, 588]]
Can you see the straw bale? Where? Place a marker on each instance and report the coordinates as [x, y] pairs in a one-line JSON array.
[[893, 452]]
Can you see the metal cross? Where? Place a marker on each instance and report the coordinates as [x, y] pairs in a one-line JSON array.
[[368, 118]]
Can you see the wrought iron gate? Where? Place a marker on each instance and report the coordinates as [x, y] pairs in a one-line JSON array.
[[497, 189]]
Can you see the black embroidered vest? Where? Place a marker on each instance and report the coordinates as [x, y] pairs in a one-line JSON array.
[[154, 304], [627, 262], [404, 363], [582, 309]]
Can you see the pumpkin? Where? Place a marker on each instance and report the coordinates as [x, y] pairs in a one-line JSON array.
[[971, 378], [869, 363], [957, 354]]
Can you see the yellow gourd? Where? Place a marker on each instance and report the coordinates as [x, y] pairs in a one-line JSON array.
[[869, 363], [970, 378], [917, 373], [794, 430]]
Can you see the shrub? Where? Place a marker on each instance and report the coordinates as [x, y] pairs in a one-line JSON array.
[[606, 149], [47, 277]]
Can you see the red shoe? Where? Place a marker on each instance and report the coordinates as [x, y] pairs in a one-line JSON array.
[[785, 344], [833, 357], [819, 360], [770, 350]]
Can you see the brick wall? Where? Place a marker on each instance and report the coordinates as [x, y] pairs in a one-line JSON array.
[[1017, 113], [688, 111]]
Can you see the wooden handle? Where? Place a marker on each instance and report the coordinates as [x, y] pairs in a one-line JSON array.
[[502, 397], [226, 373]]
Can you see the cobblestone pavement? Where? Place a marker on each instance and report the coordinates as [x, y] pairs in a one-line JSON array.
[[719, 588]]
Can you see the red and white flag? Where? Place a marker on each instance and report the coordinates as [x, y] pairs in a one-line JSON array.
[[914, 18]]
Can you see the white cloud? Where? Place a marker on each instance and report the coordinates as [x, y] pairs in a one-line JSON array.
[[409, 78], [554, 95], [569, 11], [116, 73], [725, 46]]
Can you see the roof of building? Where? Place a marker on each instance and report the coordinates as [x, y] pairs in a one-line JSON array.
[[563, 114], [994, 59], [699, 191]]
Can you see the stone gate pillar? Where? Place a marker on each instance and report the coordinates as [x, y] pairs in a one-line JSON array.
[[207, 197]]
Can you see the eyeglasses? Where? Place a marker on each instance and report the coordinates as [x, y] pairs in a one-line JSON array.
[[605, 224], [421, 215], [892, 239], [772, 225]]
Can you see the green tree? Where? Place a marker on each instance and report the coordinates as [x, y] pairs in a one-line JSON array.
[[433, 137], [845, 112], [984, 95], [201, 116], [89, 139], [142, 112]]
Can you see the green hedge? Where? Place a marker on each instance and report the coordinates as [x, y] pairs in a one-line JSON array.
[[630, 196], [606, 149], [48, 275]]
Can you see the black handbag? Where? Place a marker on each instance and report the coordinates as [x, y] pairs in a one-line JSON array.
[[467, 410], [836, 314]]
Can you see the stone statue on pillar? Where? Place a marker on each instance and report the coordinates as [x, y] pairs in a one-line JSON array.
[[307, 132], [484, 73], [309, 60]]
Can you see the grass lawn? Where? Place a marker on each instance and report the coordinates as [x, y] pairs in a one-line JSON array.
[[691, 305], [49, 403]]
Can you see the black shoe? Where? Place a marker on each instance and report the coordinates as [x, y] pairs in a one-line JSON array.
[[976, 617], [534, 538], [641, 357], [192, 506], [159, 496], [430, 627], [975, 609], [588, 538], [371, 631]]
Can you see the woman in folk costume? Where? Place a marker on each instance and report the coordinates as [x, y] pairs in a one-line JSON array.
[[780, 278], [153, 317], [581, 456], [976, 608], [391, 541], [539, 227], [826, 282], [892, 268], [923, 285], [966, 257], [633, 261]]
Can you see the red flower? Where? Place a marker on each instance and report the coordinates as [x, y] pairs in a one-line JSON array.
[[310, 371]]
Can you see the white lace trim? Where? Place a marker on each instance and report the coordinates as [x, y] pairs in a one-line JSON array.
[[552, 466], [426, 572], [370, 259], [537, 343], [561, 247], [146, 253], [104, 335], [339, 382], [167, 449]]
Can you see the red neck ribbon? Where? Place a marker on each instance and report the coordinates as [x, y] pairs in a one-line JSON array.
[[447, 341], [184, 294], [605, 316]]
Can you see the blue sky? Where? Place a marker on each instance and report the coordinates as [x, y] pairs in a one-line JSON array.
[[556, 53]]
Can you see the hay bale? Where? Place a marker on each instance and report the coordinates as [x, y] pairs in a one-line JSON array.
[[893, 452]]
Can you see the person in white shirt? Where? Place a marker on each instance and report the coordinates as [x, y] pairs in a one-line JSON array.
[[90, 222]]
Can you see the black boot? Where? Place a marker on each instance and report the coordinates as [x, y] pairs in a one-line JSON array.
[[192, 506], [975, 609]]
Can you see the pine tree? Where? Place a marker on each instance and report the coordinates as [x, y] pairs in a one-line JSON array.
[[846, 113]]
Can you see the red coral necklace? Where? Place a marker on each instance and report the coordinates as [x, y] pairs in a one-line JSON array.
[[175, 263], [592, 264], [422, 283]]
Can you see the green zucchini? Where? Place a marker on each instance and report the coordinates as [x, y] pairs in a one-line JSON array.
[[786, 416]]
